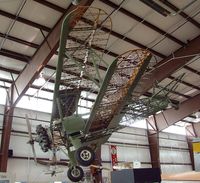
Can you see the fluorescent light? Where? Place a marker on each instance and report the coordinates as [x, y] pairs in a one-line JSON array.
[[40, 81], [75, 2]]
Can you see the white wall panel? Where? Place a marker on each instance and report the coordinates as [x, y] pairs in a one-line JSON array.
[[127, 153], [133, 140], [134, 131], [132, 145], [174, 156], [173, 169], [173, 143], [27, 171], [133, 154], [172, 136], [105, 153]]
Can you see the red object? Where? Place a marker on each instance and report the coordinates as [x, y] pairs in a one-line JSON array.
[[113, 152]]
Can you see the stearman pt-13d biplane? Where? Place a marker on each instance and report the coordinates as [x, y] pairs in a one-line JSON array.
[[83, 41]]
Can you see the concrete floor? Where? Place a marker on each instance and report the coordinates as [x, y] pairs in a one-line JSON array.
[[186, 177]]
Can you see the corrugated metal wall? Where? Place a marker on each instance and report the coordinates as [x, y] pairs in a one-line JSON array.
[[174, 153], [132, 145]]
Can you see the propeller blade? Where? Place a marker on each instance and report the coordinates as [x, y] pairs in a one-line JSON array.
[[34, 153], [54, 158], [29, 128], [31, 141]]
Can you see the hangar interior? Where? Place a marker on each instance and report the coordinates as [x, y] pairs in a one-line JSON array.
[[159, 138]]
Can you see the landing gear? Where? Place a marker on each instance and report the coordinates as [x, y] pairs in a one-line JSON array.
[[75, 174], [85, 156]]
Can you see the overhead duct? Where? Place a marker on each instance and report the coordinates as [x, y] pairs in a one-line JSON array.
[[156, 7], [164, 7], [75, 2]]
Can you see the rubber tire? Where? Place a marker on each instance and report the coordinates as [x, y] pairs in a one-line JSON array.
[[77, 178], [81, 161]]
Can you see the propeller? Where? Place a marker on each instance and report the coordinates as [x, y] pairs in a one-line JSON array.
[[31, 140]]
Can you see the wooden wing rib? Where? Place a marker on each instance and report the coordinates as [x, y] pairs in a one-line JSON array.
[[69, 23], [78, 62], [119, 84]]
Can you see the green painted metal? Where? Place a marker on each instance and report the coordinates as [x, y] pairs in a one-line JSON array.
[[97, 56], [76, 142], [71, 155], [101, 93], [73, 124], [65, 30], [95, 65], [82, 69], [117, 118], [74, 127]]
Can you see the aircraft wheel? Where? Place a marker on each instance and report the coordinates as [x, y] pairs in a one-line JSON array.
[[75, 174], [85, 156]]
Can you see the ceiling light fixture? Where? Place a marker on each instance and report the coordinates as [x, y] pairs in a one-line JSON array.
[[197, 115], [40, 81], [156, 7], [75, 2]]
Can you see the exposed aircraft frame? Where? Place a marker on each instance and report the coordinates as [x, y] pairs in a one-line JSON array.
[[68, 131]]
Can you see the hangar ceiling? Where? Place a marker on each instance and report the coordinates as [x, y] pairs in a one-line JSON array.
[[29, 35]]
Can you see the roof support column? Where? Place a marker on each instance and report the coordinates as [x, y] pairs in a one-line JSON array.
[[169, 65], [189, 141], [5, 139], [196, 127], [171, 116], [97, 172], [153, 138]]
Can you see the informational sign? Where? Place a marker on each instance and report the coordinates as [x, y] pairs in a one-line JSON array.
[[136, 164], [113, 152], [196, 150], [196, 147]]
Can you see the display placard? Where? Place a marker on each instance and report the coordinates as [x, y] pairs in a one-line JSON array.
[[196, 147]]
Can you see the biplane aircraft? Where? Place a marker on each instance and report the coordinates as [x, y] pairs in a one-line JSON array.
[[84, 37]]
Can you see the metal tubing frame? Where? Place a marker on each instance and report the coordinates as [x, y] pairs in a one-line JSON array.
[[28, 75]]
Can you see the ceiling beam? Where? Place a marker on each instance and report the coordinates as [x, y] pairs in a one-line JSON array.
[[142, 21], [21, 41], [169, 65], [27, 76], [192, 70], [51, 5], [184, 82], [40, 58], [171, 116], [24, 21], [85, 77], [113, 33], [193, 130], [25, 58], [184, 15], [15, 55], [122, 37], [197, 129]]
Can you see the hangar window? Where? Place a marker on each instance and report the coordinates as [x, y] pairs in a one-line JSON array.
[[3, 96], [176, 130], [35, 104]]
